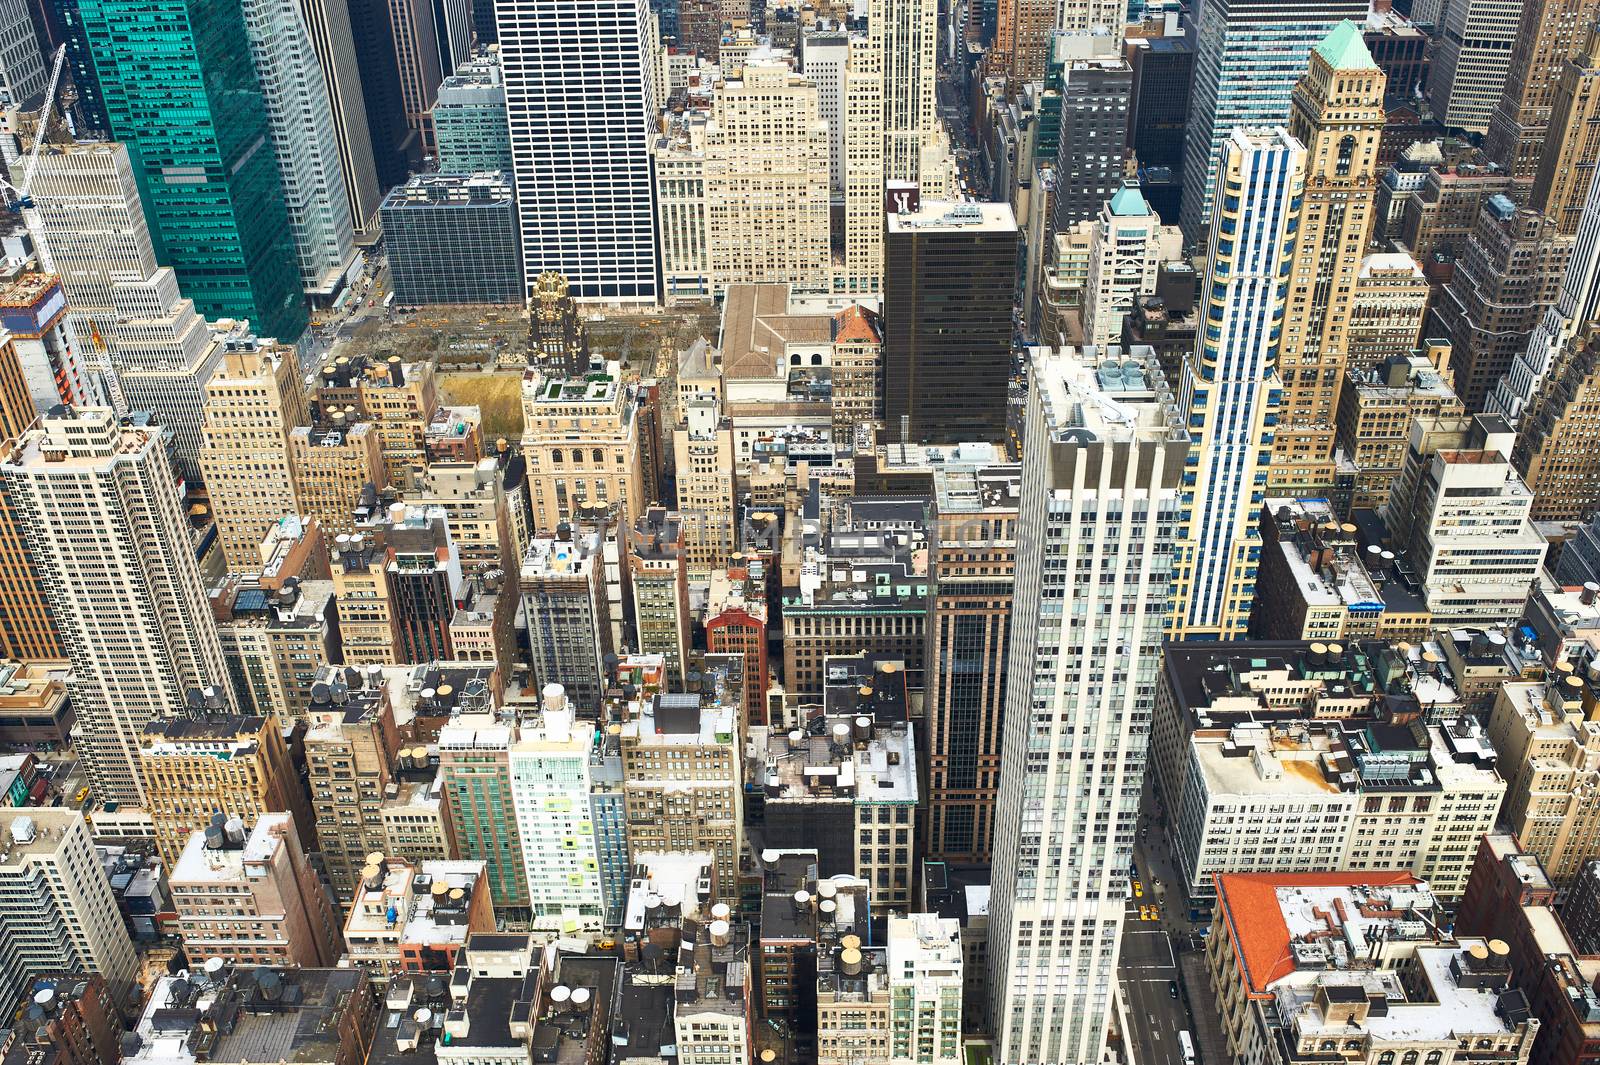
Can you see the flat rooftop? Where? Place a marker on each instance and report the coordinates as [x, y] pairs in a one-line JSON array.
[[945, 216]]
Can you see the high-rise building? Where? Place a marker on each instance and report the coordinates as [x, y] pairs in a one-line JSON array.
[[736, 624], [1337, 116], [906, 35], [925, 984], [583, 179], [22, 71], [306, 144], [864, 172], [419, 58], [396, 147], [331, 465], [766, 181], [251, 897], [659, 577], [334, 40], [1509, 275], [1376, 409], [564, 600], [1571, 148], [1548, 35], [1471, 60], [1386, 311], [1096, 83], [1231, 386], [1126, 252], [469, 118], [453, 238], [703, 449], [857, 370], [105, 523], [971, 574], [27, 631], [475, 771], [56, 906], [1558, 447], [1248, 56], [351, 742], [251, 407], [1163, 70], [1085, 652], [581, 439], [949, 285], [195, 767], [549, 789], [201, 108], [824, 54]]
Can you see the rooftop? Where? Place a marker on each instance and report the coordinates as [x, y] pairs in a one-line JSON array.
[[1345, 49], [847, 758], [1091, 394], [944, 216]]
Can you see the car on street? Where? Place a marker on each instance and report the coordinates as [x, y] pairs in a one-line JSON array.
[[1172, 988]]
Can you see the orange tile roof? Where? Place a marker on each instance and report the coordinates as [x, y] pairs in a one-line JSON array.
[[856, 325], [1248, 906]]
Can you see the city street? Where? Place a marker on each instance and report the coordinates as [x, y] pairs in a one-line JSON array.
[[1147, 973]]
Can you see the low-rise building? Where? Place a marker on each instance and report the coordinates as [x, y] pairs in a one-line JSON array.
[[408, 916]]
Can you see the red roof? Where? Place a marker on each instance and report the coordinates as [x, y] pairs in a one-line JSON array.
[[1248, 906], [856, 325]]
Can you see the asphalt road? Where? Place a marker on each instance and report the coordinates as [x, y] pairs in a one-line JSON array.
[[1146, 972]]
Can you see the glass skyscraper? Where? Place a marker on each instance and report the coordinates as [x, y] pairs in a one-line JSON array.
[[180, 90]]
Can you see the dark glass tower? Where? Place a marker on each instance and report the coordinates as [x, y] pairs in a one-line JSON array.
[[180, 90]]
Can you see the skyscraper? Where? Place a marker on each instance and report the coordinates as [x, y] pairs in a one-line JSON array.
[[304, 139], [1549, 33], [1471, 58], [104, 520], [469, 118], [580, 98], [1095, 86], [1337, 115], [906, 34], [1568, 160], [333, 39], [396, 147], [948, 289], [22, 69], [182, 93], [418, 52], [1104, 455], [1249, 55], [1231, 387]]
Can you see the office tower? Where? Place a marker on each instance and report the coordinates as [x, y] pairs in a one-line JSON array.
[[971, 575], [1022, 34], [1557, 452], [1572, 143], [736, 623], [34, 310], [251, 406], [274, 631], [469, 118], [194, 767], [857, 370], [59, 23], [824, 55], [351, 742], [56, 907], [333, 39], [399, 397], [453, 238], [1167, 321], [1311, 583], [549, 789], [948, 288], [1088, 660], [1095, 84], [1231, 383], [422, 577], [201, 107], [1387, 310], [300, 123], [251, 897], [703, 449], [1376, 409], [581, 439], [1125, 256], [1576, 305], [164, 353], [564, 600], [23, 77], [679, 164], [659, 577], [416, 817], [1158, 105], [1337, 116], [1400, 48], [453, 22], [864, 173], [475, 772], [766, 182], [925, 984], [583, 182], [1461, 514], [102, 515], [1548, 34], [557, 341], [331, 464], [681, 781], [905, 33], [418, 54], [1471, 60], [396, 147], [1510, 273], [1249, 54]]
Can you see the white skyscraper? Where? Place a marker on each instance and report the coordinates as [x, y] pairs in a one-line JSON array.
[[1231, 386], [581, 107], [1125, 255], [1105, 449], [300, 121], [550, 792], [105, 522], [1577, 304], [824, 55], [906, 33], [328, 23]]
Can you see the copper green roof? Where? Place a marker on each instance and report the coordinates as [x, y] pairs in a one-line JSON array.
[[1344, 48]]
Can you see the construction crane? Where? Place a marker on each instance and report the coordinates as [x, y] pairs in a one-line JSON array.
[[18, 198]]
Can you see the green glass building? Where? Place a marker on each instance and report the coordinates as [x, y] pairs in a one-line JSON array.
[[180, 90]]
